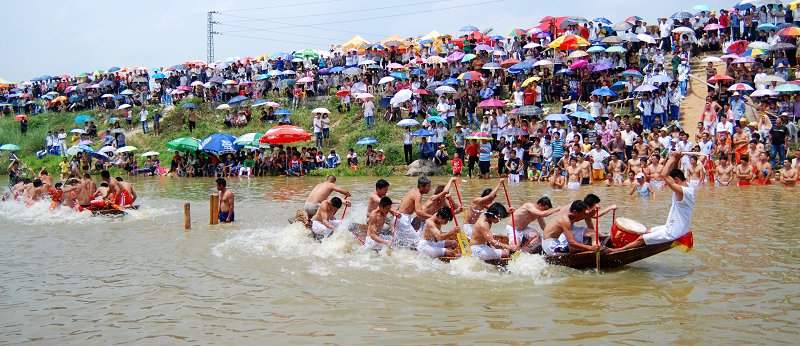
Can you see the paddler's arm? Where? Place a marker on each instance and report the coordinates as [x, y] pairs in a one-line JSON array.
[[671, 163], [574, 244], [231, 210], [341, 190], [496, 243], [448, 235], [491, 196], [419, 208]]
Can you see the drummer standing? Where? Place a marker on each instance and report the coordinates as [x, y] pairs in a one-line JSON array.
[[680, 213]]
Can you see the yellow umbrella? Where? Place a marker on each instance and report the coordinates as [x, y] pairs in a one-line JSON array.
[[60, 99], [570, 41], [530, 80], [792, 5]]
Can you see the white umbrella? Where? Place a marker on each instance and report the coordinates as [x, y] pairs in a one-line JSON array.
[[320, 111], [683, 30], [763, 92], [72, 151], [544, 62], [367, 62], [407, 123], [125, 149], [106, 149], [78, 131], [124, 106], [401, 96], [577, 54], [434, 59], [758, 45], [247, 138], [646, 38], [386, 79], [769, 79], [531, 45], [711, 59], [150, 153], [364, 96], [224, 106], [107, 96], [445, 89], [196, 83]]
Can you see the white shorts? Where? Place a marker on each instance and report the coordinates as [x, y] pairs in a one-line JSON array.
[[513, 178], [661, 234], [486, 252], [320, 229], [521, 235], [552, 247], [574, 185], [658, 184], [404, 234], [431, 248], [694, 182], [467, 229], [310, 209], [371, 244], [617, 177], [577, 233]]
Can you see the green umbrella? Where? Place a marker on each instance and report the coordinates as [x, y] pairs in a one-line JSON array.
[[248, 139], [9, 147], [184, 144]]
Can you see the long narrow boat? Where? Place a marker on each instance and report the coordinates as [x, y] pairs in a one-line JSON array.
[[112, 211]]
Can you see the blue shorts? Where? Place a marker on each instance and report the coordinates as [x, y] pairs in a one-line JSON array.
[[326, 133], [223, 216]]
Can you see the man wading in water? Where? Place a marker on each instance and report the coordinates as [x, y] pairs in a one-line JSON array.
[[226, 213]]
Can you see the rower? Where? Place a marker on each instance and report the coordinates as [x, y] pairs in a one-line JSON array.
[[433, 242], [477, 206], [680, 213], [744, 171], [115, 191], [46, 179], [128, 193], [320, 193], [323, 223], [529, 212], [563, 225], [439, 199], [482, 242], [381, 189], [410, 205], [375, 221]]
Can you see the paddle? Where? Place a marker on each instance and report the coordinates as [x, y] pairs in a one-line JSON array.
[[461, 237], [344, 212], [597, 240], [513, 226]]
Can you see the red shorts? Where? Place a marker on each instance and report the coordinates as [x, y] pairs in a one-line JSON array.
[[744, 182]]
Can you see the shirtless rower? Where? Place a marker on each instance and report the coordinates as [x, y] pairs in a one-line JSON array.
[[634, 163], [593, 211], [320, 193], [35, 191], [653, 170], [323, 223], [695, 172], [101, 193], [381, 189], [723, 174], [788, 174], [482, 242], [226, 203], [744, 171], [617, 169], [46, 179], [680, 213], [375, 221], [440, 198], [763, 169], [574, 174], [557, 180], [128, 193], [405, 235], [586, 170], [434, 243], [527, 236], [477, 206], [563, 224]]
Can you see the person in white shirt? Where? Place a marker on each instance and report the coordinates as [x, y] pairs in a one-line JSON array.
[[724, 125], [598, 155], [317, 124], [369, 115], [594, 106], [519, 97], [143, 119]]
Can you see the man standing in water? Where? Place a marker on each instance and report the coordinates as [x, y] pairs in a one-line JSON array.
[[321, 193], [724, 172], [226, 205], [680, 213], [405, 235]]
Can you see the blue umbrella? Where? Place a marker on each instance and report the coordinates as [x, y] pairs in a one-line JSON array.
[[556, 117], [97, 154], [76, 98], [159, 76], [282, 111], [367, 141], [437, 119], [618, 85], [127, 92], [596, 49], [179, 67], [106, 83], [237, 99], [385, 101], [219, 143], [114, 69], [582, 115], [189, 105], [498, 37], [682, 15], [82, 119], [119, 97], [418, 72], [337, 69], [660, 78], [604, 91], [520, 66], [274, 73], [469, 28], [262, 77], [602, 20], [398, 75], [425, 41], [565, 71], [451, 81], [422, 133], [259, 102]]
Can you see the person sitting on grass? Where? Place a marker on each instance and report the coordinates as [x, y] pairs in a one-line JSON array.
[[333, 159], [352, 159], [380, 157]]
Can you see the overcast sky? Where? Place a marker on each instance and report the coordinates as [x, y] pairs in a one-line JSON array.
[[57, 37]]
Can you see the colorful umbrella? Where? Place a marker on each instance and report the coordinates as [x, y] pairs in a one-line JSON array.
[[479, 136], [720, 78], [219, 143], [740, 87], [568, 41], [367, 141], [492, 103], [21, 117], [285, 134], [184, 144], [248, 139]]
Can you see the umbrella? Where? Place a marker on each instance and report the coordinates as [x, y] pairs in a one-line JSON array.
[[21, 117], [568, 42], [283, 111], [444, 89], [782, 46], [683, 30], [189, 105], [787, 88], [305, 80], [9, 147], [578, 54], [682, 15], [72, 151], [740, 87], [578, 64], [78, 131], [184, 144], [124, 106], [492, 103], [632, 73], [529, 111], [615, 49], [575, 107], [604, 91], [422, 133], [660, 78], [754, 52], [479, 135], [107, 96], [530, 80], [106, 149], [352, 71], [645, 88], [470, 75], [218, 143], [118, 130], [565, 71], [150, 153], [612, 40], [711, 59], [387, 79], [543, 62], [125, 149], [769, 79], [83, 118], [248, 139], [764, 93], [451, 81], [436, 119], [621, 26], [159, 76], [364, 96], [743, 60], [646, 38], [791, 31], [457, 56], [285, 134], [596, 49], [469, 28], [237, 99], [556, 117], [86, 142], [407, 123], [320, 111], [720, 78], [767, 27], [367, 141], [582, 115], [714, 26], [223, 106], [491, 66], [342, 93], [468, 57]]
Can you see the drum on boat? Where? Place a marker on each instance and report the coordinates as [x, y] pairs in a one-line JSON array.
[[625, 231]]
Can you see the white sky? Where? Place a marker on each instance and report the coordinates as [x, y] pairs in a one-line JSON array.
[[57, 37]]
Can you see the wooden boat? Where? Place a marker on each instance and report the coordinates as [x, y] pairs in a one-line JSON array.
[[112, 211]]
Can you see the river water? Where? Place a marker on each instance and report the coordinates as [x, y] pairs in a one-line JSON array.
[[68, 278]]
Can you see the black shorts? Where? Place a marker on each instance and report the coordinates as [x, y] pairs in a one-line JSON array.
[[585, 181], [483, 166]]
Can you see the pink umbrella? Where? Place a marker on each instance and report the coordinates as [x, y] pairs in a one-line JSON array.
[[578, 64], [492, 103], [184, 88], [710, 27], [394, 65], [86, 142], [729, 56], [272, 104], [483, 47], [455, 56], [740, 87], [305, 80]]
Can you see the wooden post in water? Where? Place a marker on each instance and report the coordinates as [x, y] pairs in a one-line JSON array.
[[213, 209], [187, 217]]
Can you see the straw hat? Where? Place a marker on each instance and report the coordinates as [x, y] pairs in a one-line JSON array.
[[458, 124], [736, 93], [743, 120], [753, 124]]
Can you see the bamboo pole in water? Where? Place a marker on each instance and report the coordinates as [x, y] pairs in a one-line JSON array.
[[213, 208], [187, 217]]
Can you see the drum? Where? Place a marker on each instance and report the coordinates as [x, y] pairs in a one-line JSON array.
[[625, 231]]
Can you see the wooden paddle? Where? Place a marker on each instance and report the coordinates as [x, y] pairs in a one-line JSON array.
[[597, 239], [461, 236], [344, 212], [513, 225]]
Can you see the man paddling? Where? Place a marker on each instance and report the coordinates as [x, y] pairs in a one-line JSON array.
[[434, 243], [320, 193], [477, 206], [381, 189], [564, 224], [529, 212], [405, 235], [226, 204], [680, 213], [439, 199], [129, 193], [323, 223], [482, 243], [375, 221], [115, 191]]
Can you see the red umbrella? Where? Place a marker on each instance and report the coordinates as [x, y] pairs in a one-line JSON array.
[[21, 117], [24, 96], [285, 134], [508, 63], [738, 47], [342, 93], [421, 92], [492, 103], [720, 78]]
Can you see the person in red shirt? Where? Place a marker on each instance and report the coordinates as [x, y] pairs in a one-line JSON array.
[[472, 150], [529, 95], [457, 164]]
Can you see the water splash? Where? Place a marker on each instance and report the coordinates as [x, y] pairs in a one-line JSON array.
[[39, 213]]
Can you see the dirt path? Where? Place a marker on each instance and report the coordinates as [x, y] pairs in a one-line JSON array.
[[695, 100], [167, 111]]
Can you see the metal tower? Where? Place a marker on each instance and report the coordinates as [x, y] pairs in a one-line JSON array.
[[211, 32]]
